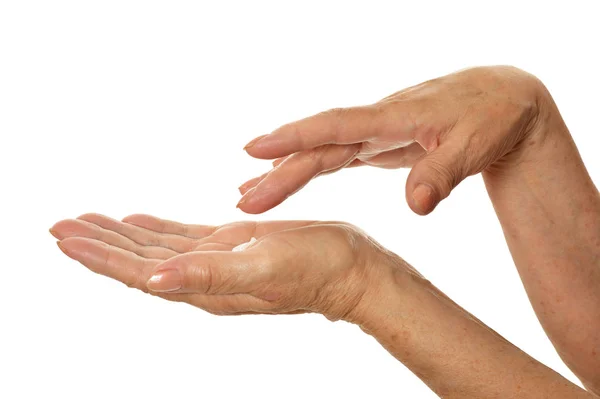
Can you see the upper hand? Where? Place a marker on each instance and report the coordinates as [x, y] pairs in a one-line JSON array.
[[293, 267], [446, 129]]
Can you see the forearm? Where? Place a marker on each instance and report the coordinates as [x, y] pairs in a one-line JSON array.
[[455, 354], [550, 213]]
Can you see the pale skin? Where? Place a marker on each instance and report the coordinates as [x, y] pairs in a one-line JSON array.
[[498, 121]]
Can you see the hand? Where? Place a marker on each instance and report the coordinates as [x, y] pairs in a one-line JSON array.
[[446, 129], [293, 267]]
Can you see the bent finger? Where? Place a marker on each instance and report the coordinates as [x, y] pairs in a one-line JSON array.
[[295, 172]]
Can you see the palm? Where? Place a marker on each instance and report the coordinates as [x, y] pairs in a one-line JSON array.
[[129, 250]]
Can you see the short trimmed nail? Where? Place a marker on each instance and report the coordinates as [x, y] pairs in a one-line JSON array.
[[254, 141], [243, 187], [423, 197], [246, 196], [62, 248], [165, 281]]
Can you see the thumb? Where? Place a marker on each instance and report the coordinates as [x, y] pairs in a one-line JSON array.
[[209, 272], [435, 175]]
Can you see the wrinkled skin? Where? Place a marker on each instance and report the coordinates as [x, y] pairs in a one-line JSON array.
[[293, 267], [445, 129], [497, 120]]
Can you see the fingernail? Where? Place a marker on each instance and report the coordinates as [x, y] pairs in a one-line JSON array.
[[242, 188], [62, 248], [423, 198], [164, 281], [246, 197], [254, 141], [53, 232]]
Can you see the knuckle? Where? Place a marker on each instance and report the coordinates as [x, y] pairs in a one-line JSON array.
[[203, 279], [344, 236]]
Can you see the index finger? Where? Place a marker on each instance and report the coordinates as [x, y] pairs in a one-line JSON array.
[[336, 126]]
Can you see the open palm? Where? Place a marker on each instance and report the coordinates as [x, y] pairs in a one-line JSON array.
[[287, 270]]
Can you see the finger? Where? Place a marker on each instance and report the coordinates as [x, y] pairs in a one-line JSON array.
[[393, 159], [337, 126], [234, 234], [141, 235], [211, 273], [278, 161], [117, 263], [163, 226], [243, 189], [399, 158], [250, 184], [247, 186], [135, 271], [295, 172], [81, 228], [436, 174]]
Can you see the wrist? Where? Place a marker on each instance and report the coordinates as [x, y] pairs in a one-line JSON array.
[[388, 285], [444, 345], [546, 136]]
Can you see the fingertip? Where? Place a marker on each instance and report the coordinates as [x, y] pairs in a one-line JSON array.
[[244, 189], [62, 248], [68, 246], [423, 199], [254, 142], [89, 216], [246, 198], [141, 220], [270, 146], [250, 184], [53, 232], [65, 228], [132, 218], [278, 161], [250, 209], [256, 204]]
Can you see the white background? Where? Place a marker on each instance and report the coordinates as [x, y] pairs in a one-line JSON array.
[[122, 107]]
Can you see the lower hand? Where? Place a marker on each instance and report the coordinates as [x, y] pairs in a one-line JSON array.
[[326, 267], [293, 267]]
